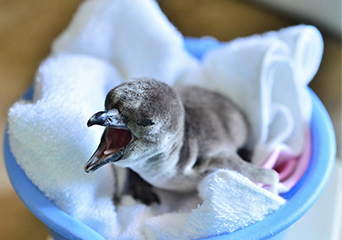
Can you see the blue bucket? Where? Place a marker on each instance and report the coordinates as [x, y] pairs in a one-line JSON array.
[[300, 198]]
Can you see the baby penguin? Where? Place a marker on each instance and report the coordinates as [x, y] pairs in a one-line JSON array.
[[172, 137]]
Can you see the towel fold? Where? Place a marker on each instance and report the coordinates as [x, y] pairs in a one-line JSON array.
[[51, 142], [111, 40], [243, 204], [133, 35], [272, 87]]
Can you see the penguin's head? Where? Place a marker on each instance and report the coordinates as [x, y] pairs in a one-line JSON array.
[[142, 117]]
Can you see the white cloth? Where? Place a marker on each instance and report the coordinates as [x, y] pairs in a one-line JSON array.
[[272, 87], [51, 142], [133, 35], [111, 40], [243, 204]]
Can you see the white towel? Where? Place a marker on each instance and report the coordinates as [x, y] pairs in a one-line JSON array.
[[243, 204], [51, 142], [130, 34], [111, 40], [272, 87]]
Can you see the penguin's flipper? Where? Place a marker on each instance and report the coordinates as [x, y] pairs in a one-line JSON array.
[[233, 161], [140, 189]]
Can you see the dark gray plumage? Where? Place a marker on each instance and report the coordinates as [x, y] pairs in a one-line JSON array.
[[172, 137]]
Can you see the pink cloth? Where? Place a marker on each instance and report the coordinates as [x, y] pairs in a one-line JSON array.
[[290, 169]]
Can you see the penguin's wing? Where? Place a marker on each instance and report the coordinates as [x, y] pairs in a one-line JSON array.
[[231, 160]]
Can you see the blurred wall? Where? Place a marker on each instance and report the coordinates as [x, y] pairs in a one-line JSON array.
[[325, 14]]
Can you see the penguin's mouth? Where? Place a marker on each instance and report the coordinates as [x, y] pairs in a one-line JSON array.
[[111, 148]]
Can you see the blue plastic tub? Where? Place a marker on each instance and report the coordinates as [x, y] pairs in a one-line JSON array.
[[300, 198]]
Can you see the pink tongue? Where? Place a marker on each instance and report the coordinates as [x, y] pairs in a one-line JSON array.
[[109, 151]]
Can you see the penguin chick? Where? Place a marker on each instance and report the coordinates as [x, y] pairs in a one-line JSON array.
[[172, 137]]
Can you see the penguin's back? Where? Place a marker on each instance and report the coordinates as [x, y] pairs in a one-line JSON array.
[[212, 120]]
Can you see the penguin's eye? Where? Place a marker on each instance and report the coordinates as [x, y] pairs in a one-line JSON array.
[[145, 123]]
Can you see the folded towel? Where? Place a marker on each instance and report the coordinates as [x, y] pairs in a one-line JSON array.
[[129, 34], [111, 40], [243, 203], [272, 87], [51, 142]]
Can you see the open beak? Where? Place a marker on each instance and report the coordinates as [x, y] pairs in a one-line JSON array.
[[115, 139]]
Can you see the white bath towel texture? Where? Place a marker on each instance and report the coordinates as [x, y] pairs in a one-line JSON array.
[[111, 40], [51, 141], [272, 87]]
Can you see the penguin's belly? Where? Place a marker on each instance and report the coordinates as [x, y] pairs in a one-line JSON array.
[[179, 183], [172, 180]]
